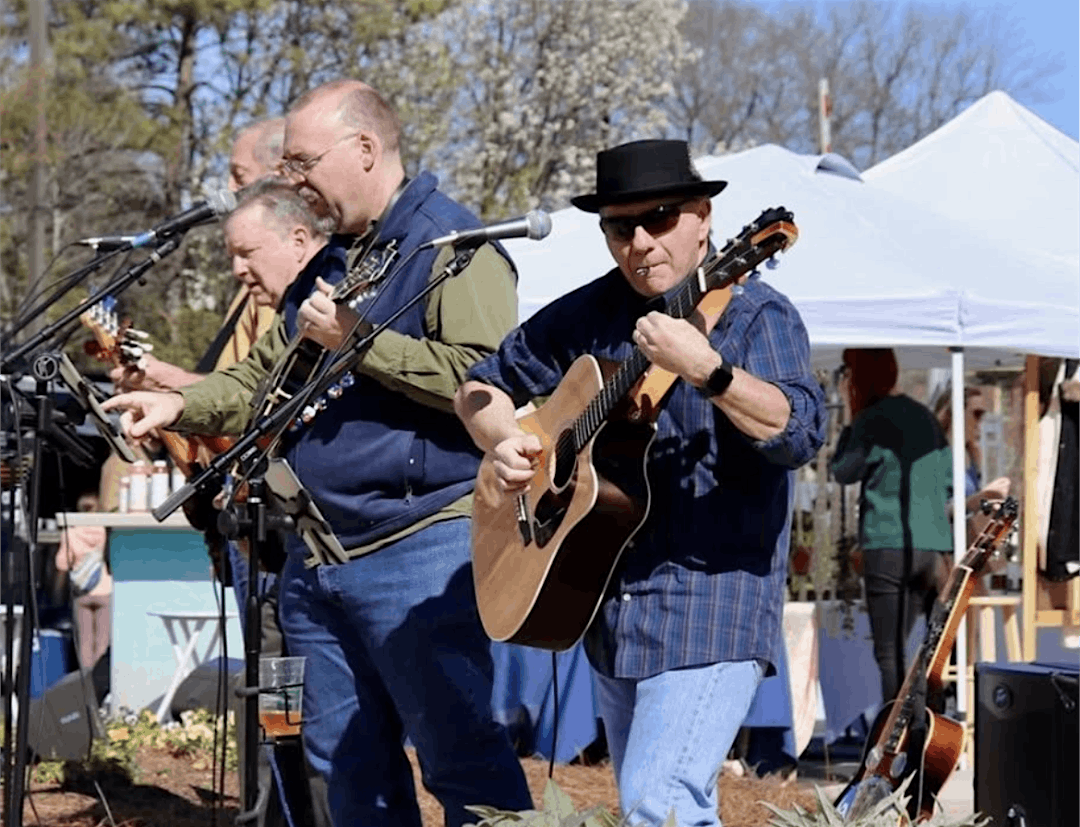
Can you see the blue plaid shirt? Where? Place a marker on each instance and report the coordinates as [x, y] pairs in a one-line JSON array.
[[703, 580]]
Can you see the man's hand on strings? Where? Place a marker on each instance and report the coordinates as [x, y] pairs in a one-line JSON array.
[[143, 411], [676, 345], [324, 320], [514, 461]]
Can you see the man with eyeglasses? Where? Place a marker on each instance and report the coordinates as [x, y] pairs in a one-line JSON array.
[[393, 643], [691, 621]]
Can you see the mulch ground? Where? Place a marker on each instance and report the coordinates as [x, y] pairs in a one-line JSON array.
[[172, 792]]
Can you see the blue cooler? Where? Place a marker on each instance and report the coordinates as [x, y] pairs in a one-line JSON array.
[[50, 659]]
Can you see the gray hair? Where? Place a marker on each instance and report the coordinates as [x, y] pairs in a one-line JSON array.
[[285, 207]]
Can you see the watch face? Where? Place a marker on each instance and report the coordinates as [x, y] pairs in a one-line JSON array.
[[719, 380]]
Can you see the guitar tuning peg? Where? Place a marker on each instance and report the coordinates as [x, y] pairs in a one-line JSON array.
[[335, 391], [771, 263]]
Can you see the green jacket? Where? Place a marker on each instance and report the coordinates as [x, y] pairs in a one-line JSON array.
[[897, 449]]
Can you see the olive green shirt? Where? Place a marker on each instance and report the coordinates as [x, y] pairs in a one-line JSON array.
[[466, 317]]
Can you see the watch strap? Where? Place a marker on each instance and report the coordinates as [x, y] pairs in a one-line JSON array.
[[718, 380]]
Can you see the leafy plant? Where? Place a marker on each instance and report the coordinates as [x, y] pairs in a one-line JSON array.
[[558, 812], [114, 758], [889, 812]]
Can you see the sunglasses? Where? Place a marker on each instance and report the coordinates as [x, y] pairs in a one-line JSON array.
[[655, 222]]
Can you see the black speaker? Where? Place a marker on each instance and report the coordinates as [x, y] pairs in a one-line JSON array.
[[201, 689], [1027, 744], [64, 720]]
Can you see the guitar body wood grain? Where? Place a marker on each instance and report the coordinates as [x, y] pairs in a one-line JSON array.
[[944, 743], [545, 593]]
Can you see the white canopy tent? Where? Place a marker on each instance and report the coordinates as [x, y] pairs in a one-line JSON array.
[[1012, 178]]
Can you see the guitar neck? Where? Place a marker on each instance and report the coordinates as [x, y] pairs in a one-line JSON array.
[[949, 608], [932, 656]]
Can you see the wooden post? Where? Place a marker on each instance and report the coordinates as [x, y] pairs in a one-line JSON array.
[[1030, 518]]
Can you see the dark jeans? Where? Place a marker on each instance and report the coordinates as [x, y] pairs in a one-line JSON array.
[[886, 585], [395, 650]]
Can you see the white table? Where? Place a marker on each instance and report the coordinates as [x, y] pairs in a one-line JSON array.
[[157, 567], [184, 629]]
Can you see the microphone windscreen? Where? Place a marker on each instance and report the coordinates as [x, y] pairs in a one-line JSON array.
[[222, 202], [539, 224]]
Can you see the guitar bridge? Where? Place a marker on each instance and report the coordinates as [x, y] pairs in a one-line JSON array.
[[523, 520]]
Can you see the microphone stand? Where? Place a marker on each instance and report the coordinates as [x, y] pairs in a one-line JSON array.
[[72, 280], [115, 287], [46, 369], [246, 451], [255, 521]]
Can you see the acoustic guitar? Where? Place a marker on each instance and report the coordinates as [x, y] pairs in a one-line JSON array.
[[891, 754], [542, 560]]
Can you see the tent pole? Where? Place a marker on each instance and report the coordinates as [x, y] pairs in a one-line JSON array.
[[1029, 527], [959, 522]]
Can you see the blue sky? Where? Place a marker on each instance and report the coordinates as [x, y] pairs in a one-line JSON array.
[[1043, 28]]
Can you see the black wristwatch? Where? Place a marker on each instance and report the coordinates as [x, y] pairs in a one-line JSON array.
[[718, 381]]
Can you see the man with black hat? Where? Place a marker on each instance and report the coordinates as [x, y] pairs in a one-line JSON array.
[[691, 621]]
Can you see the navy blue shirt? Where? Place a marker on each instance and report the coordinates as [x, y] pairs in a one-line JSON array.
[[704, 578]]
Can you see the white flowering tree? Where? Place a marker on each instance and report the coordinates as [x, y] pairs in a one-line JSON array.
[[544, 85]]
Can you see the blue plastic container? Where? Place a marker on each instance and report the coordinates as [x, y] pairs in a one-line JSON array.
[[50, 660]]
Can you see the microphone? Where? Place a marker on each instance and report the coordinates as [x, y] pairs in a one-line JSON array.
[[105, 243], [217, 204], [534, 225]]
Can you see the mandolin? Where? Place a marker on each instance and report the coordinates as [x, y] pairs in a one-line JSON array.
[[304, 358], [891, 754], [542, 560]]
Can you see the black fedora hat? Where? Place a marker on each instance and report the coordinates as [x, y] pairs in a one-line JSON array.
[[641, 170]]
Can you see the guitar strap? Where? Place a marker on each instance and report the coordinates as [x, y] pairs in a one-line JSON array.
[[209, 359], [650, 390]]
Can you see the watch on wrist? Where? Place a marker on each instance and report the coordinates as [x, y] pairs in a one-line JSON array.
[[718, 380]]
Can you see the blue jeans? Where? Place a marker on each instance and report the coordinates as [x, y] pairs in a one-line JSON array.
[[395, 650], [270, 642], [669, 735]]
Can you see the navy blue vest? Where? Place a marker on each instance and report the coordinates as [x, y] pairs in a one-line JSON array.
[[375, 461]]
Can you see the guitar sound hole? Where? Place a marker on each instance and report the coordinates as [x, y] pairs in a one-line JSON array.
[[565, 460]]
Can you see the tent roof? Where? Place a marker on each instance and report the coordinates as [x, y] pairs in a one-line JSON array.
[[1014, 180], [1000, 169]]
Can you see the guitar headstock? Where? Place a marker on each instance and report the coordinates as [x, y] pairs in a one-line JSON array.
[[115, 341], [772, 232], [102, 321], [775, 225], [1003, 515]]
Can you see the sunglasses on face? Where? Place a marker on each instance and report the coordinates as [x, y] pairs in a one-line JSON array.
[[655, 222]]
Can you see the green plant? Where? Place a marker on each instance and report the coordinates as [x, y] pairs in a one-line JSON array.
[[558, 812], [113, 759], [889, 812]]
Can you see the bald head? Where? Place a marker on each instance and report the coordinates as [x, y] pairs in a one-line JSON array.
[[342, 144], [357, 106], [256, 152]]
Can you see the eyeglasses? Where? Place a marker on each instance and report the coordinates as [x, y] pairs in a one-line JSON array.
[[298, 166], [655, 222]]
